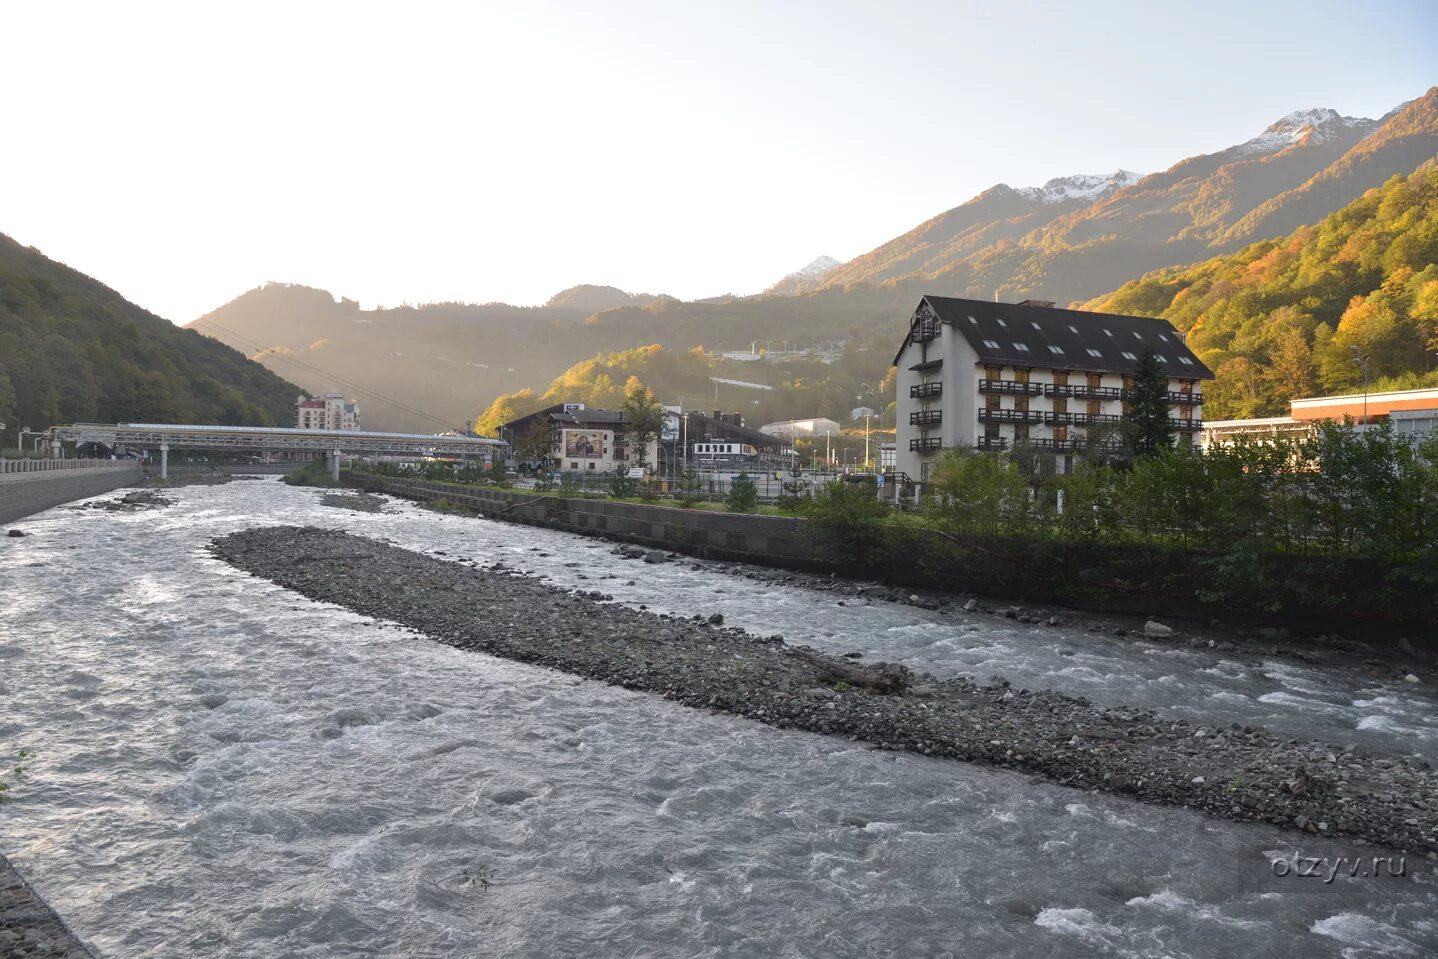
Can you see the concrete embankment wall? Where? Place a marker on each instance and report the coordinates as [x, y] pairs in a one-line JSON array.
[[770, 540], [22, 494], [1318, 594]]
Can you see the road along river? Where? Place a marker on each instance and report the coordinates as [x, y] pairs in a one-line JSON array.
[[226, 768]]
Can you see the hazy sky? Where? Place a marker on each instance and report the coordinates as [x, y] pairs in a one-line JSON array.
[[420, 151]]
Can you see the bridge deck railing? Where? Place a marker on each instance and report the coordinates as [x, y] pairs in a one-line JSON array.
[[39, 466]]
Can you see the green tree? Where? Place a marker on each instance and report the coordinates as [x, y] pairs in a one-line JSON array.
[[1149, 427], [743, 495], [643, 420], [978, 492]]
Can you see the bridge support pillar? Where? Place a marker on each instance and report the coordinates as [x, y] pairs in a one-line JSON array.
[[335, 465], [164, 461]]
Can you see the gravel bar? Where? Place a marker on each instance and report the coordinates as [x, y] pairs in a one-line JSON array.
[[1236, 772], [29, 927]]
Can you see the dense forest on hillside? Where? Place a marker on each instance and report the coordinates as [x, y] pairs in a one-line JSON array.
[[800, 388], [1303, 314], [73, 350]]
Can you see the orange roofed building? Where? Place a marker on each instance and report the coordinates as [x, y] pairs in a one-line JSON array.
[[1412, 412]]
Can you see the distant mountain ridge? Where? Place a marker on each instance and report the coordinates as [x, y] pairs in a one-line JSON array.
[[1072, 239], [806, 275], [1078, 236]]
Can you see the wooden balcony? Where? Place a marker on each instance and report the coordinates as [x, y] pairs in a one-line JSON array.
[[926, 391], [1083, 391], [926, 445], [1011, 416], [1011, 387], [991, 443], [926, 418]]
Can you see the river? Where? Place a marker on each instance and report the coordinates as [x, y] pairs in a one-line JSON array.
[[227, 769]]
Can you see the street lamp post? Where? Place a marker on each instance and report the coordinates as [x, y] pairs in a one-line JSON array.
[[1363, 366]]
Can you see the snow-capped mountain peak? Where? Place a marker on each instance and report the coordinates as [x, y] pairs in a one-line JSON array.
[[818, 267], [1316, 125], [1080, 186]]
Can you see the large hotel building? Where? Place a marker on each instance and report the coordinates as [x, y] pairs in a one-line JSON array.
[[990, 376]]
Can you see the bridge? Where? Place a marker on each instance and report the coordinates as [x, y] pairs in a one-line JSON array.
[[270, 439]]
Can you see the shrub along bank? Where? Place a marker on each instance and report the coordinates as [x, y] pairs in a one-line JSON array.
[[1334, 532]]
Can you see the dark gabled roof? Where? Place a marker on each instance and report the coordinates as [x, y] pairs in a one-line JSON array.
[[753, 436], [1073, 332], [602, 419]]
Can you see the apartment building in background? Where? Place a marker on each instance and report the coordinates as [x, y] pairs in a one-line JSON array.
[[972, 374], [327, 412]]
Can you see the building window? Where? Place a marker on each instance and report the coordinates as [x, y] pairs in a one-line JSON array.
[[1035, 326], [1074, 329], [991, 344], [1020, 375], [973, 321], [1095, 379], [1185, 361], [1021, 347], [1160, 357], [1061, 404], [1056, 349], [1129, 356], [1021, 432], [1061, 377], [1108, 332], [1163, 336], [574, 464], [1003, 324], [1093, 352]]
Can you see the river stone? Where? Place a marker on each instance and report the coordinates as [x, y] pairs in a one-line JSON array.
[[654, 556], [16, 533], [971, 605], [717, 619], [1156, 630]]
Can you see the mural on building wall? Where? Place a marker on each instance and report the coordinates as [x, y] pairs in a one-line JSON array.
[[584, 444]]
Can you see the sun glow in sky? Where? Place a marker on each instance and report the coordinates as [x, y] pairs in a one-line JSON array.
[[183, 153]]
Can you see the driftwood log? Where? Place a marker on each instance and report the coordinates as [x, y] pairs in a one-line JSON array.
[[882, 677]]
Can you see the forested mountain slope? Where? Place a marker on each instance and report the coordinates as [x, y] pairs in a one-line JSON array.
[[72, 349]]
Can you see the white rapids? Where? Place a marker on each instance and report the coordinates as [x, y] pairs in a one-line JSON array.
[[225, 768]]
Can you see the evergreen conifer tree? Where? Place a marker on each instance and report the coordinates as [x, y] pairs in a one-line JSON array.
[[1150, 431]]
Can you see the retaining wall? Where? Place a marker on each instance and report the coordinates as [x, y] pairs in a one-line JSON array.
[[770, 540], [22, 494]]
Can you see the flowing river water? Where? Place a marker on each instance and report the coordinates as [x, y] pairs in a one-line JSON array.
[[225, 768]]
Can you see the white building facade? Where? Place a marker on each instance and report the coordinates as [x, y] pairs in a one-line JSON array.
[[997, 376], [327, 412], [801, 429]]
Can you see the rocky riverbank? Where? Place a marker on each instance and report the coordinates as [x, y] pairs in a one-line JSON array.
[[1399, 662], [28, 927], [359, 502], [1242, 773]]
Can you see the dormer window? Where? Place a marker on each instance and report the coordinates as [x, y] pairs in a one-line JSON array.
[[1021, 347], [1095, 353], [1129, 356], [1056, 349], [1185, 361], [991, 344]]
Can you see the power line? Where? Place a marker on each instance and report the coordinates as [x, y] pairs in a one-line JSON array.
[[338, 380]]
